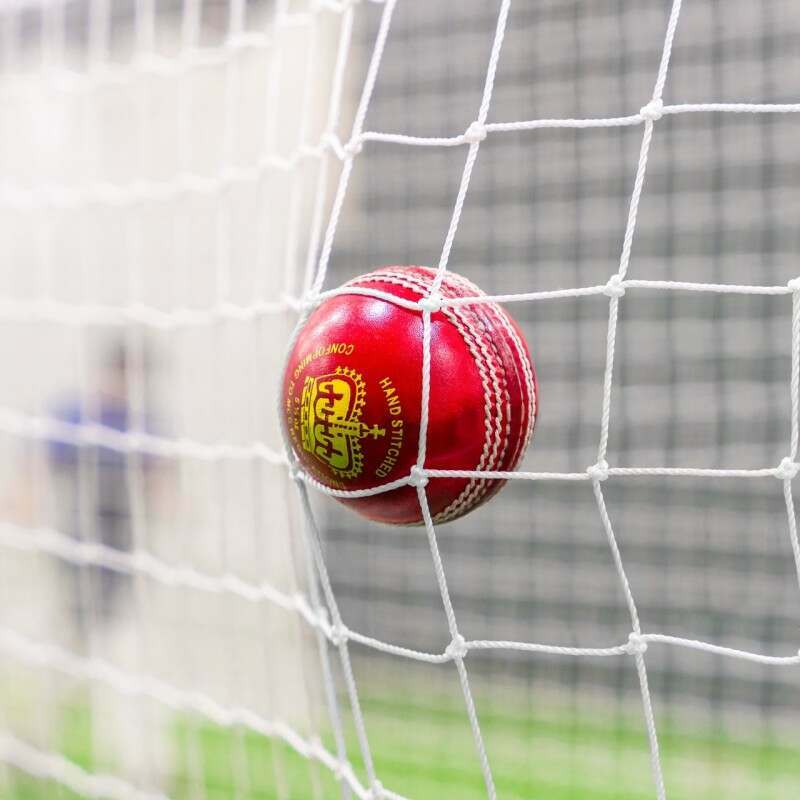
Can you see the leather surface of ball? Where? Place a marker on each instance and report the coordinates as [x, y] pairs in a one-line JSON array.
[[352, 395]]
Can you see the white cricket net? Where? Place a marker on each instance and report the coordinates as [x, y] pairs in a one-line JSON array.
[[181, 184]]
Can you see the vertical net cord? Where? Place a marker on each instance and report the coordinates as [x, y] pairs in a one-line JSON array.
[[275, 69], [133, 346], [41, 475], [191, 18], [85, 618], [239, 766], [329, 688], [311, 528], [616, 291], [339, 638], [328, 683], [457, 646], [790, 463], [352, 148], [266, 611], [8, 48], [292, 258], [189, 38], [321, 189], [8, 26], [317, 266], [477, 131]]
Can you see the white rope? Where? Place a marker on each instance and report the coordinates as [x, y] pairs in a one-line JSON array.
[[17, 197], [639, 118], [87, 314], [95, 670], [152, 191], [326, 621], [54, 767], [475, 134], [354, 149], [339, 638], [339, 635], [146, 64], [789, 467], [92, 434], [651, 112]]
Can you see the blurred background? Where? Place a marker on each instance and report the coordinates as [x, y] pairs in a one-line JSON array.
[[163, 183]]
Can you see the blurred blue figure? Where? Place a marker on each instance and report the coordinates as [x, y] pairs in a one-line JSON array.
[[93, 490]]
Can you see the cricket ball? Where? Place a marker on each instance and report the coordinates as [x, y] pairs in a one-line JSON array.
[[352, 395]]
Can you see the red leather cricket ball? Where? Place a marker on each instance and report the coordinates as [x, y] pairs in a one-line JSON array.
[[352, 395]]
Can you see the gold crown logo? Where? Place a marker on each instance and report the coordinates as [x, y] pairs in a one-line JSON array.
[[330, 420]]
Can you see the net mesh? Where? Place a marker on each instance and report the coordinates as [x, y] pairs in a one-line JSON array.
[[209, 232]]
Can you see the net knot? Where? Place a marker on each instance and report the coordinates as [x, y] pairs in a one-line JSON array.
[[431, 303], [331, 140], [637, 644], [794, 284], [339, 635], [653, 111], [417, 477], [324, 621], [353, 147], [614, 287], [315, 744], [308, 302], [598, 471], [295, 473], [475, 133], [787, 469], [376, 791], [457, 647], [292, 302]]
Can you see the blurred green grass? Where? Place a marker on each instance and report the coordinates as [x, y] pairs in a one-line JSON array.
[[425, 751]]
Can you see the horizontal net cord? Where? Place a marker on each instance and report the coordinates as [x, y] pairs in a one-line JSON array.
[[66, 548], [106, 315], [603, 472], [22, 198], [744, 655], [618, 286], [615, 288], [46, 765], [149, 316], [786, 469], [83, 314], [16, 423], [68, 196], [53, 766], [596, 473], [473, 136], [648, 112], [635, 645], [90, 434], [192, 57], [48, 656]]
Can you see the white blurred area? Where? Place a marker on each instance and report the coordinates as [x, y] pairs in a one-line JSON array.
[[162, 193], [154, 157]]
